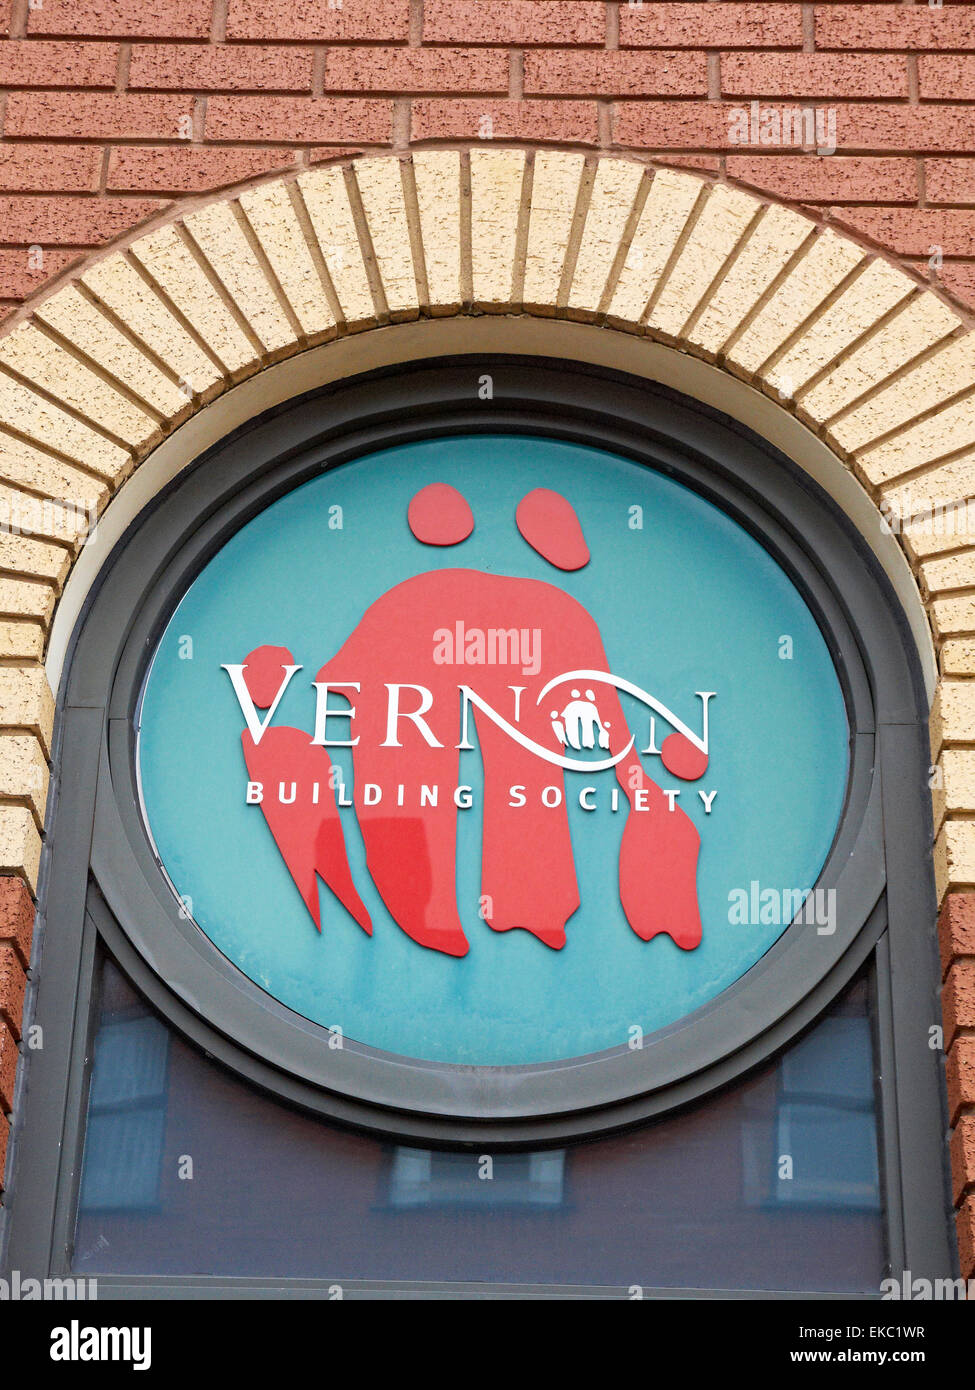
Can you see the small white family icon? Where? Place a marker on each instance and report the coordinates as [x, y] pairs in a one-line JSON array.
[[579, 725]]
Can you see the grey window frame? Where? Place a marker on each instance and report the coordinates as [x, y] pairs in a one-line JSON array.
[[100, 879]]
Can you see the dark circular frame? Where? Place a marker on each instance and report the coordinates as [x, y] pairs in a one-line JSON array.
[[208, 999]]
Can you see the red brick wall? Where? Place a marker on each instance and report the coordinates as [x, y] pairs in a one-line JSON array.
[[113, 108], [16, 926], [956, 927]]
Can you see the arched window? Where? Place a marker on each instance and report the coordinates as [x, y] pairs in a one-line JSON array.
[[490, 849]]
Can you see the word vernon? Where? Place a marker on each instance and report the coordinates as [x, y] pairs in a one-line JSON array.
[[577, 726]]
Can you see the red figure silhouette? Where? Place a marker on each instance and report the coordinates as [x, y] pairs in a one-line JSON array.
[[527, 870], [549, 524], [440, 515]]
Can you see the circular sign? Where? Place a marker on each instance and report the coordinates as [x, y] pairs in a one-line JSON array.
[[493, 750]]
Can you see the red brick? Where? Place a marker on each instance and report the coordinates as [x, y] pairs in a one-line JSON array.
[[49, 168], [813, 75], [57, 64], [298, 120], [833, 179], [617, 74], [13, 983], [958, 279], [8, 1068], [963, 1156], [123, 19], [958, 999], [961, 1077], [27, 221], [19, 278], [710, 125], [950, 180], [575, 122], [170, 169], [16, 916], [416, 70], [728, 25], [894, 26], [912, 231], [208, 67], [947, 78], [965, 1225], [663, 124], [94, 115], [529, 22], [956, 927], [374, 20], [908, 129]]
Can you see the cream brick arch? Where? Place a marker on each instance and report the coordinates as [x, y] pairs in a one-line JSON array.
[[105, 367]]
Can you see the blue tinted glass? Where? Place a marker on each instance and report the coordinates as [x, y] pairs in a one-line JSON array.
[[127, 1113], [685, 601], [769, 1185]]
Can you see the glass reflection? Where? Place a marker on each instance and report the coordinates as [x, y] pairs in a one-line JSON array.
[[773, 1184]]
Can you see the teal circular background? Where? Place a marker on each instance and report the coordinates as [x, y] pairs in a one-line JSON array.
[[689, 602]]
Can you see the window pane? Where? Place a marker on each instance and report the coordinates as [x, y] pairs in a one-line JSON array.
[[838, 1153], [247, 1186], [424, 1178], [124, 1156]]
